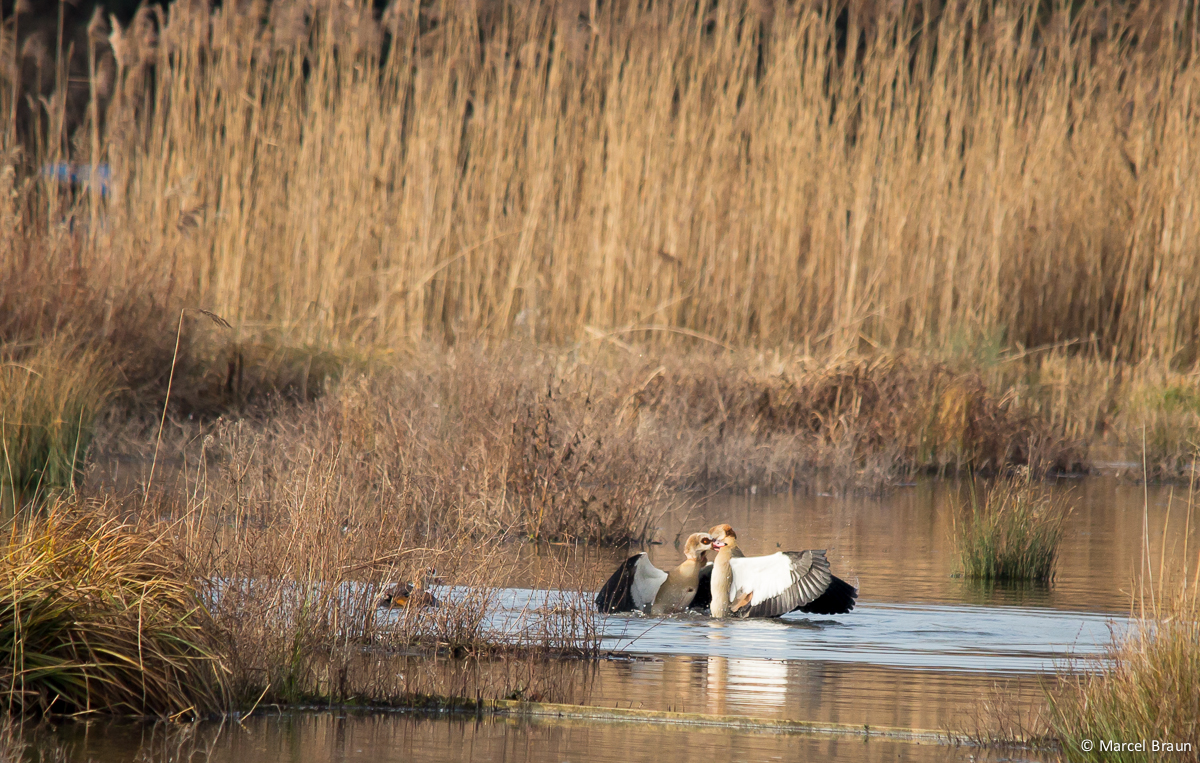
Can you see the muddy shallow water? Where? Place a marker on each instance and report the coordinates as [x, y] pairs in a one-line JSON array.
[[921, 651]]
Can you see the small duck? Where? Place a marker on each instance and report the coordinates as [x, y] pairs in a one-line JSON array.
[[414, 594]]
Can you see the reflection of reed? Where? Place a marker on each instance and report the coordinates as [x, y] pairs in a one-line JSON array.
[[361, 737]]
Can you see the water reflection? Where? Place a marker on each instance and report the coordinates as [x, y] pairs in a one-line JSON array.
[[830, 692], [762, 682], [355, 738]]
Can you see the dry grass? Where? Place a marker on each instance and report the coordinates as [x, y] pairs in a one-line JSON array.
[[465, 460], [295, 525], [615, 177], [560, 446], [776, 421], [1147, 687], [455, 445], [97, 618], [1148, 690], [1162, 419], [50, 395], [1004, 179], [202, 605], [1012, 714]]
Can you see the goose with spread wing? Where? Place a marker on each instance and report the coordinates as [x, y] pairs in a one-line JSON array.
[[638, 584], [773, 585]]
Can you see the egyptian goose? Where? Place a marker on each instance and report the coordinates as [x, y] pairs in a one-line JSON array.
[[638, 584], [415, 594], [773, 585]]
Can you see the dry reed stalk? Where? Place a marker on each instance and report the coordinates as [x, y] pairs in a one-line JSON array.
[[1146, 690]]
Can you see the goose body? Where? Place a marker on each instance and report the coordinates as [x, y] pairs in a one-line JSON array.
[[775, 584], [638, 584]]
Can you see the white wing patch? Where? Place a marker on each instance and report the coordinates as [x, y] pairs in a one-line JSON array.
[[767, 576], [647, 579]]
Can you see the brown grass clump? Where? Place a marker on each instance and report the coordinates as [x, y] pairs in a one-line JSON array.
[[1149, 689], [774, 422], [296, 525], [1161, 416], [96, 617], [455, 446]]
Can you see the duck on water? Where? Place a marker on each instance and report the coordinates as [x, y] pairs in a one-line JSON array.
[[412, 594], [734, 585]]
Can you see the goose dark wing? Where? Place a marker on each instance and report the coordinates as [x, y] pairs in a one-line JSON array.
[[703, 589], [631, 587], [779, 583], [838, 599]]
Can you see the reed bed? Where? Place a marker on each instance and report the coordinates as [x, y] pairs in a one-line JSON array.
[[95, 617], [993, 187], [294, 526], [1013, 533], [823, 176]]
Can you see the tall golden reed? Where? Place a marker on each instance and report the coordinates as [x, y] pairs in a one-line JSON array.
[[562, 172]]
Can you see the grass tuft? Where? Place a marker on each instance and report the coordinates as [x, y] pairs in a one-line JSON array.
[[96, 617], [1148, 689], [49, 399], [1014, 533]]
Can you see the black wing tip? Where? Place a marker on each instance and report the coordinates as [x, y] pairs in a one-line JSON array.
[[838, 599], [616, 595], [703, 598]]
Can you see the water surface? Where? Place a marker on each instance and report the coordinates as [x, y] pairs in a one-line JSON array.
[[923, 650], [382, 738]]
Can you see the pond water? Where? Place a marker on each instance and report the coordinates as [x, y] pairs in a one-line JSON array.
[[922, 650], [386, 738]]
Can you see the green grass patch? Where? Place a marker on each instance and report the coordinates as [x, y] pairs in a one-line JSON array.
[[1013, 533]]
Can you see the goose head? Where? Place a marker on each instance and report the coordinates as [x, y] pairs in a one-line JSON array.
[[698, 544], [723, 536]]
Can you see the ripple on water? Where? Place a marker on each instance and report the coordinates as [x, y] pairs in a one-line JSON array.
[[964, 637]]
